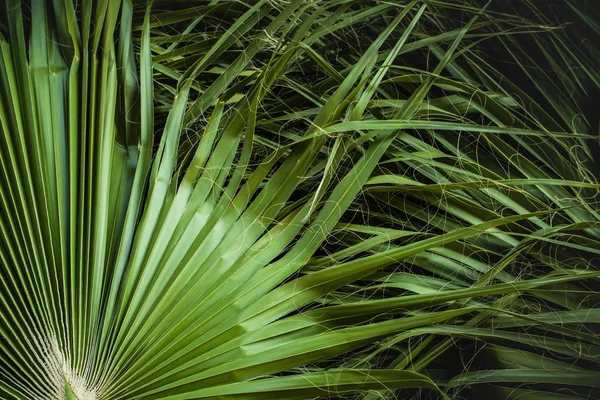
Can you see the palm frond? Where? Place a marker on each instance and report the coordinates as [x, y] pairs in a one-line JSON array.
[[298, 199]]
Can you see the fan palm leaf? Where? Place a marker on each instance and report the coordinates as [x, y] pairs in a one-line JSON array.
[[297, 199]]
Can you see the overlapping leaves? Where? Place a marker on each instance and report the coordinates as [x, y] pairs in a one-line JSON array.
[[300, 199]]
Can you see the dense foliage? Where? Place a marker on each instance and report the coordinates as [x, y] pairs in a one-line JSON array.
[[272, 199]]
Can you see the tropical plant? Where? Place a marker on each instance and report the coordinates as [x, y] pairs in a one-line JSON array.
[[298, 199]]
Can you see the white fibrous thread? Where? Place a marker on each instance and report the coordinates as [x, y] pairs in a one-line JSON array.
[[59, 369]]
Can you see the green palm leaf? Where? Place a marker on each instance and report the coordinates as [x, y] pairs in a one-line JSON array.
[[297, 199]]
